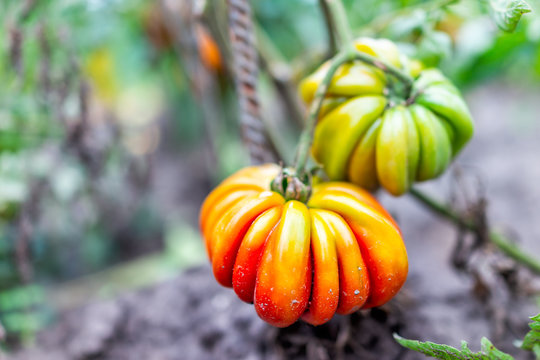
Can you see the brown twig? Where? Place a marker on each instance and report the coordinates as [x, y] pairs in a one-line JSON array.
[[28, 7], [242, 38], [25, 220], [75, 141], [2, 332], [181, 23], [45, 63], [15, 49], [22, 248]]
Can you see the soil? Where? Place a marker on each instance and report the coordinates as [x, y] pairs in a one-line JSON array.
[[191, 317]]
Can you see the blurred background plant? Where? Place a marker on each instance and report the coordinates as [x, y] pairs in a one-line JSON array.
[[115, 113]]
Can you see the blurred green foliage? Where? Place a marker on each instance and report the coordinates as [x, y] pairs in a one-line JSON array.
[[461, 37], [446, 352], [111, 71]]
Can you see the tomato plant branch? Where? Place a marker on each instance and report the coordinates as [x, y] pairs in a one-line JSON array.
[[402, 76], [499, 240], [329, 22], [341, 28], [306, 137]]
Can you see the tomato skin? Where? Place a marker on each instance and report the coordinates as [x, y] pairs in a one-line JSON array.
[[338, 253], [380, 243], [325, 289], [249, 254], [284, 271], [370, 135], [231, 229]]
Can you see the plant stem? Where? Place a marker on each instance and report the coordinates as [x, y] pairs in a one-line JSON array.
[[442, 210], [306, 137], [513, 251], [502, 242], [329, 22], [246, 66], [344, 35], [402, 76], [339, 17]]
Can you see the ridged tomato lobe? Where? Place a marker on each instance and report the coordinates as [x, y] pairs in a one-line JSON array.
[[325, 288], [231, 230], [380, 243], [354, 286], [250, 251], [225, 203], [284, 274]]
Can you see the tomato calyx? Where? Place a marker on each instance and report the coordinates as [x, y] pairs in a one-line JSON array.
[[398, 97], [291, 185], [398, 93]]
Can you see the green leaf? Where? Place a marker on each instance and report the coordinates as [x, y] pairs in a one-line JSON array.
[[434, 46], [507, 13], [536, 350], [446, 352], [531, 342], [492, 352]]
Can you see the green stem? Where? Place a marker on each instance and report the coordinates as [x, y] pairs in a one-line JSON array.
[[344, 35], [442, 210], [330, 26], [402, 76], [502, 242], [306, 137], [513, 251], [339, 17]]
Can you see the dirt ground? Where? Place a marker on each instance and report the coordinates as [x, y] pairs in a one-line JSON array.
[[191, 317]]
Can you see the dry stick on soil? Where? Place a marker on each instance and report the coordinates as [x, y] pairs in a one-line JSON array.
[[499, 240], [241, 33]]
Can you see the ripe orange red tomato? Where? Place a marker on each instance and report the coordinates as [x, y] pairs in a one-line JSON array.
[[208, 49], [162, 38], [338, 253]]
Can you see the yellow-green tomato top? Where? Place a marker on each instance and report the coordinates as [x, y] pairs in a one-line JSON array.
[[368, 135]]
